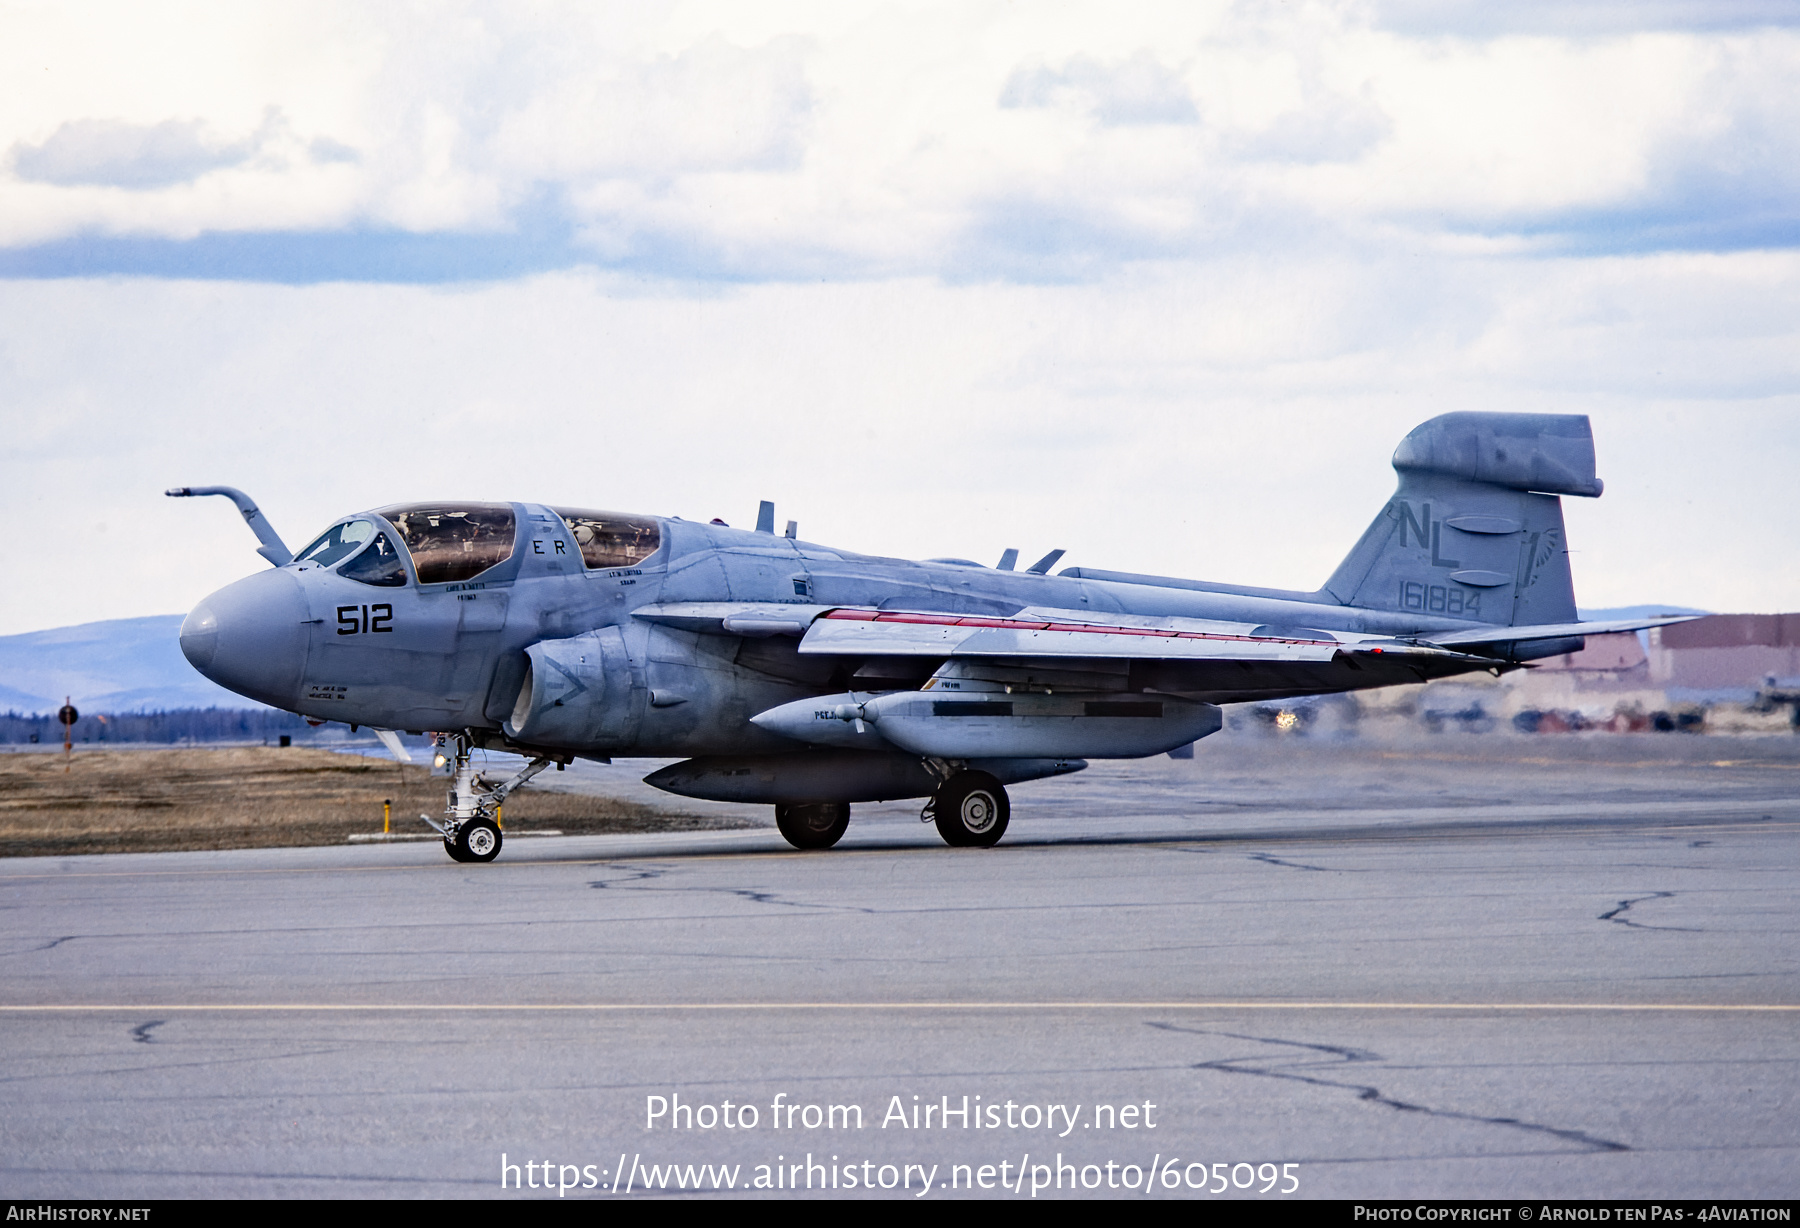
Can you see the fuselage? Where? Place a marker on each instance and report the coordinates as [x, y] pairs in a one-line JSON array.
[[433, 635]]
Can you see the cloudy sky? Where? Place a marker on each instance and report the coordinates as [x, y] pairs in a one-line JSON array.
[[1161, 284]]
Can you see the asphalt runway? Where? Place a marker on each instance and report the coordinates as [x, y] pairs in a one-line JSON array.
[[1463, 967]]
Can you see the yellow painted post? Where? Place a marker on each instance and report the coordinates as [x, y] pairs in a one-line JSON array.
[[387, 813]]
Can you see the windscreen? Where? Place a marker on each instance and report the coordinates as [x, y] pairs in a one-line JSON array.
[[339, 541], [379, 565], [609, 539], [453, 541]]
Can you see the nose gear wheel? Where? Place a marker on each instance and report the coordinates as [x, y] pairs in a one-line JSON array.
[[478, 841]]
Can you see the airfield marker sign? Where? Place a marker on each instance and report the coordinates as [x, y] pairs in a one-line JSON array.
[[68, 716]]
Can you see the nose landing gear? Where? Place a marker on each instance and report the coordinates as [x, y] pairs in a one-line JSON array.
[[471, 827]]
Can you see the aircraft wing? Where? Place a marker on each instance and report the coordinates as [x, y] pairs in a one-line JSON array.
[[1198, 659], [1031, 633], [1045, 633]]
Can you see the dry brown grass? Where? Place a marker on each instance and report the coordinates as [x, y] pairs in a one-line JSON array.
[[139, 801]]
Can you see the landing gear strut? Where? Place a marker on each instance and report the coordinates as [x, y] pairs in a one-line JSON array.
[[813, 825], [970, 809], [471, 827]]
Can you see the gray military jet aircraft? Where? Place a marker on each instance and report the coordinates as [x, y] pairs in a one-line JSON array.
[[811, 677]]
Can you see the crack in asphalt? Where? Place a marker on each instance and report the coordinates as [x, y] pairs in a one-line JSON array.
[[163, 1067], [54, 942], [633, 875], [1617, 917], [769, 897], [1369, 1092], [637, 875], [1292, 865], [141, 1033]]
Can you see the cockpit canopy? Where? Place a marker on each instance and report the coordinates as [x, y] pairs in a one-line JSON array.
[[609, 539], [452, 542]]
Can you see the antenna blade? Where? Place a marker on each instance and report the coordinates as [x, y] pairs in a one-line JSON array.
[[1008, 559], [1042, 566], [765, 518]]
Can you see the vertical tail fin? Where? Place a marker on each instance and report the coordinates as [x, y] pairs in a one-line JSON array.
[[1475, 529]]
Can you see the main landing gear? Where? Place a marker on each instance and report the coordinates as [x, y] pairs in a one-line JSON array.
[[970, 809], [471, 826], [813, 825]]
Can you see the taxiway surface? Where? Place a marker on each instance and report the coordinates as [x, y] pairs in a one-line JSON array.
[[1488, 967]]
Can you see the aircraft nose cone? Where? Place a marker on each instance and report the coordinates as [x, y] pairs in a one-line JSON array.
[[200, 636], [250, 637]]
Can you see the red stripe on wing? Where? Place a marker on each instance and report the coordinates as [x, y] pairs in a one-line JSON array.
[[912, 618]]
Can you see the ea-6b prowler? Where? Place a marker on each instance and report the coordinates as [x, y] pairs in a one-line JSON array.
[[810, 677]]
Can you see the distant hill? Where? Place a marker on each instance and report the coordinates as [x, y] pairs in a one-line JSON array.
[[121, 665]]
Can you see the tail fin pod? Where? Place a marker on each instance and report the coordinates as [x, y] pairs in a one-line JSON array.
[[1475, 529]]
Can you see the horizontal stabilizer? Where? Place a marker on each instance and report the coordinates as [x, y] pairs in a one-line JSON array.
[[1549, 631]]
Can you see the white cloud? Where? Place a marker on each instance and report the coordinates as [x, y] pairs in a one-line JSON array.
[[1478, 18], [1140, 90], [1228, 418], [1161, 285], [712, 107], [114, 153], [902, 139]]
